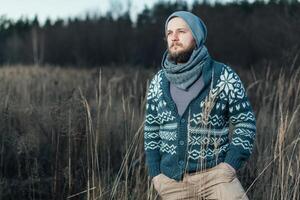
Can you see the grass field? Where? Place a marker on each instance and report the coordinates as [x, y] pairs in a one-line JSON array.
[[78, 134]]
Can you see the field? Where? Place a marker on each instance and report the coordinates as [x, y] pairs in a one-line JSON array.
[[78, 133]]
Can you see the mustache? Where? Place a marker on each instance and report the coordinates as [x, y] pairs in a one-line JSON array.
[[177, 44]]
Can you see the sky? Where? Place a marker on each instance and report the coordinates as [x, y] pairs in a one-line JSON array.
[[14, 9]]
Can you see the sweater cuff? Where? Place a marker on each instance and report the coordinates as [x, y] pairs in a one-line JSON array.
[[154, 169], [234, 161]]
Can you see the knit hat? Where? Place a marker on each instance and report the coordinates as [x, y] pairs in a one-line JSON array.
[[195, 24]]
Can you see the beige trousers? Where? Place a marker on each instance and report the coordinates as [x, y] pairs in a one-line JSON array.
[[218, 183]]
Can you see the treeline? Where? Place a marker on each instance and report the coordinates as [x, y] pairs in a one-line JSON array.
[[239, 33]]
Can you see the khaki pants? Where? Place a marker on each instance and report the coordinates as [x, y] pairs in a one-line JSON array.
[[219, 183]]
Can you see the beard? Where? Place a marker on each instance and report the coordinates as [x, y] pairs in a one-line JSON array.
[[181, 56]]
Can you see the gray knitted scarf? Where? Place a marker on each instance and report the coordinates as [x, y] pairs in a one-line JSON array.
[[184, 75]]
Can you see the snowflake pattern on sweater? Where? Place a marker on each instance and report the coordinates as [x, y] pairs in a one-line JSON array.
[[198, 139]]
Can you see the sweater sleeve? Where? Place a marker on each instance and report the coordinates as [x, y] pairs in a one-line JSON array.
[[151, 129], [242, 120]]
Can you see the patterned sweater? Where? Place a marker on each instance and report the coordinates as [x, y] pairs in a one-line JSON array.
[[198, 139]]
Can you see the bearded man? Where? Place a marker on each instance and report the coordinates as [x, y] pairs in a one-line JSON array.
[[191, 103]]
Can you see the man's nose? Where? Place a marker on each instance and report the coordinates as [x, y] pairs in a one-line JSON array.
[[174, 37]]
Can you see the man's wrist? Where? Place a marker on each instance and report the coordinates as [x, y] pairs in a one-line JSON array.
[[233, 160]]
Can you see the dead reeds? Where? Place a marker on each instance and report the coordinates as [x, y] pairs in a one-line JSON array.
[[77, 134]]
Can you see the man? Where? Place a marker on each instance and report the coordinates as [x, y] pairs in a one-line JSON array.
[[191, 102]]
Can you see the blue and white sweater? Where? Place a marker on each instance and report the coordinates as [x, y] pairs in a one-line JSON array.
[[198, 139]]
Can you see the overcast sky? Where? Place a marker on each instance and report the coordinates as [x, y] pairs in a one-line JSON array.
[[14, 9]]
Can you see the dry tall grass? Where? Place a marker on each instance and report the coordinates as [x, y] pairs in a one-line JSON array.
[[78, 134]]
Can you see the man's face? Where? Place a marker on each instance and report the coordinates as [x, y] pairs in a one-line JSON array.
[[180, 40]]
